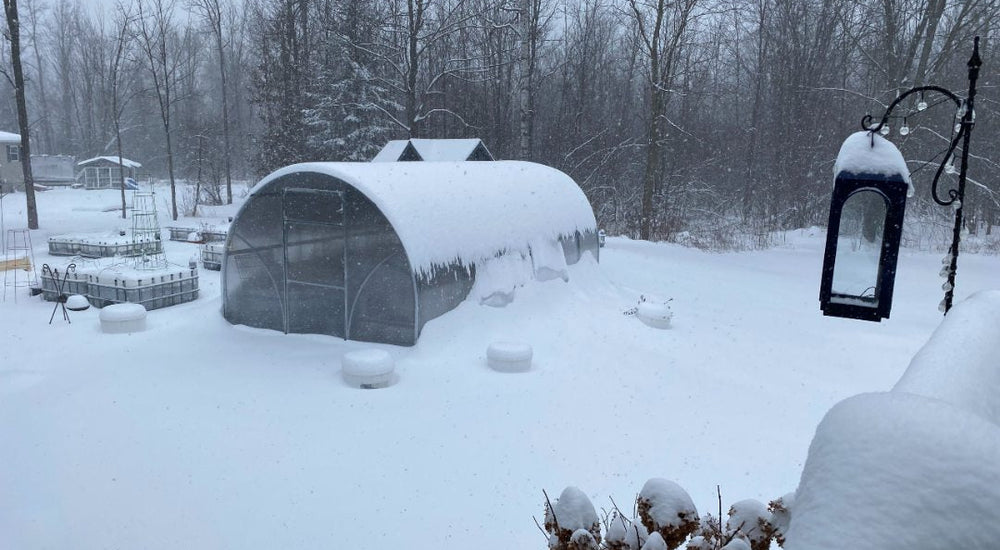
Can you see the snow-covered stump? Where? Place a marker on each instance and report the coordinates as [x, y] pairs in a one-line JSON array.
[[123, 318], [368, 368], [916, 467], [654, 314], [509, 356], [77, 302]]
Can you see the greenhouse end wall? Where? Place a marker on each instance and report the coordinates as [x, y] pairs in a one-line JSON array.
[[311, 254]]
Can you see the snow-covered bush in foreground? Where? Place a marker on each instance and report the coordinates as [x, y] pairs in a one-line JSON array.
[[665, 518], [917, 467], [667, 509], [570, 513]]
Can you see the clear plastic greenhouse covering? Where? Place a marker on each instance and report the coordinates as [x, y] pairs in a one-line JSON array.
[[373, 251]]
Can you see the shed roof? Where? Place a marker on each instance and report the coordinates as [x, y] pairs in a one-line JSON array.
[[467, 212], [391, 151], [430, 149], [125, 162], [8, 137]]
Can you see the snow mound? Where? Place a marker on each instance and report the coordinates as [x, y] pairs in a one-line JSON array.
[[867, 153], [654, 314], [959, 362], [898, 470], [920, 463]]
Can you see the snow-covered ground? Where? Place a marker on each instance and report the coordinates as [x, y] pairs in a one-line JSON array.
[[199, 434]]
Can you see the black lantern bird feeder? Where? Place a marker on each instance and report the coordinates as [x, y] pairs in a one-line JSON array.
[[868, 203]]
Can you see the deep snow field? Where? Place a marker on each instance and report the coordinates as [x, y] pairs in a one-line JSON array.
[[199, 434]]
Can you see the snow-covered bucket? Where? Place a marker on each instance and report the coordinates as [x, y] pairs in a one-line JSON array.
[[654, 314], [509, 356], [367, 368], [77, 302], [121, 318]]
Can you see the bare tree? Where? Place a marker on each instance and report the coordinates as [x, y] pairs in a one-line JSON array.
[[156, 36], [211, 11], [123, 23], [35, 13], [662, 25], [14, 36]]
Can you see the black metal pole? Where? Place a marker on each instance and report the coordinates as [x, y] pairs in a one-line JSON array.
[[968, 121]]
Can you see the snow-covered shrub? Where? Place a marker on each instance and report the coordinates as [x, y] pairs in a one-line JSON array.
[[737, 544], [665, 508], [666, 517], [751, 519], [624, 534], [708, 536], [781, 516], [582, 539], [571, 512], [655, 542]]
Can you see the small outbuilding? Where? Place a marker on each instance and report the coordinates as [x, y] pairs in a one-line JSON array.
[[102, 172], [373, 251], [433, 150], [53, 170], [10, 161]]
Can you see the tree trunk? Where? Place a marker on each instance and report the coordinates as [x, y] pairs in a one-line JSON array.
[[227, 153], [44, 122], [414, 13], [526, 63], [14, 27]]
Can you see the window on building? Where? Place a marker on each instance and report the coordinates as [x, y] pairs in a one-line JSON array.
[[13, 153]]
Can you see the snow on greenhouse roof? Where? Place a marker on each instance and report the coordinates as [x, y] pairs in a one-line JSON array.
[[430, 149], [466, 212], [125, 162], [7, 137], [391, 151], [867, 153]]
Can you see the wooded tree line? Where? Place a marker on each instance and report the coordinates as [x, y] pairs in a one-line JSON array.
[[710, 122]]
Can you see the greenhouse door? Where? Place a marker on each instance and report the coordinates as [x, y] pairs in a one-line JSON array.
[[314, 237]]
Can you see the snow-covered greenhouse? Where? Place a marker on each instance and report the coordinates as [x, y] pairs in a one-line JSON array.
[[373, 251]]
